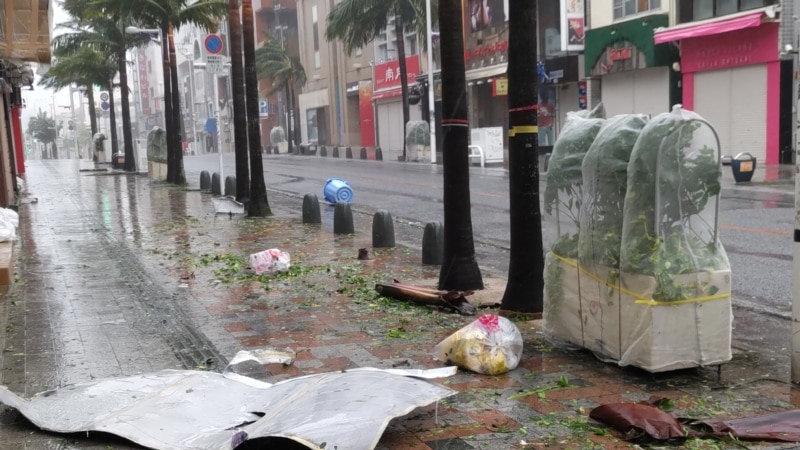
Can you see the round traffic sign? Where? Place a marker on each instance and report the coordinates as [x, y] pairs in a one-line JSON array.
[[104, 96], [105, 106], [213, 44]]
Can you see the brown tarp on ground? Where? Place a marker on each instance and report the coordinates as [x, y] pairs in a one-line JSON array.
[[649, 419], [782, 426], [636, 419]]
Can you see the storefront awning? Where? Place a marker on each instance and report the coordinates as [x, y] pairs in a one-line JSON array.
[[389, 93], [486, 72], [713, 26]]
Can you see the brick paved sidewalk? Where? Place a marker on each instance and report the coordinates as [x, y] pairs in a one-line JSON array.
[[118, 276]]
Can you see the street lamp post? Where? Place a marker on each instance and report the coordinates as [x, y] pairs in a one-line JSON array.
[[431, 105]]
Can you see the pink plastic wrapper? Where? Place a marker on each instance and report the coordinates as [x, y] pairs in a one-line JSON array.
[[269, 261]]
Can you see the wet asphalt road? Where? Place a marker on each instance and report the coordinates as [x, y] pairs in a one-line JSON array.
[[756, 221]]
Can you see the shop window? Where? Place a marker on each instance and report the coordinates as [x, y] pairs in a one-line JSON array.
[[624, 8], [694, 10], [315, 31]]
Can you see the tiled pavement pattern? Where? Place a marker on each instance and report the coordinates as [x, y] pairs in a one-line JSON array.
[[118, 276]]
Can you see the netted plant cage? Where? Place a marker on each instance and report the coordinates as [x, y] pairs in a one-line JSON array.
[[674, 272], [605, 182], [562, 205]]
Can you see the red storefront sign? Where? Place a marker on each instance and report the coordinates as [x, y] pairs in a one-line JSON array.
[[719, 51], [387, 75], [366, 114], [619, 54]]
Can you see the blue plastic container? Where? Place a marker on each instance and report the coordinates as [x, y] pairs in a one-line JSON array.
[[337, 190]]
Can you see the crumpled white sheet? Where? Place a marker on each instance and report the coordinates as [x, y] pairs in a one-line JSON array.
[[185, 409]]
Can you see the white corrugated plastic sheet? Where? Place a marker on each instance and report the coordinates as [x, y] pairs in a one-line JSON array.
[[186, 409]]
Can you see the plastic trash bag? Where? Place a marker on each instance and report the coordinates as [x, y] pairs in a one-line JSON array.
[[8, 232], [490, 345], [10, 216], [270, 261]]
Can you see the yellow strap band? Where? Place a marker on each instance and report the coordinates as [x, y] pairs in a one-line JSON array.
[[639, 299], [528, 129]]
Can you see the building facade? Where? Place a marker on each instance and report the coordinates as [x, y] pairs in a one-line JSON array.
[[723, 59]]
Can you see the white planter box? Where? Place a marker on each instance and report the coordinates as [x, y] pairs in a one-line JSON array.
[[561, 318], [582, 310], [665, 337]]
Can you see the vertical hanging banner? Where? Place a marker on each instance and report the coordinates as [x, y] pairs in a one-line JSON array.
[[573, 30]]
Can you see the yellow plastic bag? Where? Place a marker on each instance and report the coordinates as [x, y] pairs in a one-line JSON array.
[[490, 345]]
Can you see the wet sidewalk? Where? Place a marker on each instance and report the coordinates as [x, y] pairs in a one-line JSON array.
[[119, 276]]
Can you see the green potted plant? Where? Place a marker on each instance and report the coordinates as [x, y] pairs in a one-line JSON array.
[[418, 138]]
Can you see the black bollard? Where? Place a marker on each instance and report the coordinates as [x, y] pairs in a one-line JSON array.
[[433, 243], [378, 154], [363, 153], [311, 212], [205, 180], [230, 186], [343, 219], [348, 152], [323, 151], [335, 152], [382, 229], [216, 187]]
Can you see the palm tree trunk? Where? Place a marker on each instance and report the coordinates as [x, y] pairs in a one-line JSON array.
[[459, 269], [180, 175], [92, 110], [239, 107], [401, 56], [112, 118], [525, 288], [173, 140], [127, 139], [258, 205]]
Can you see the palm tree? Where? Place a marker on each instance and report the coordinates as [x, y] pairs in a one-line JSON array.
[[85, 68], [258, 205], [525, 288], [44, 128], [239, 106], [283, 70], [169, 16], [358, 22], [459, 269], [103, 29]]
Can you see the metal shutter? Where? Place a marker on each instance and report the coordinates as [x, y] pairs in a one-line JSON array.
[[652, 91], [636, 92], [617, 93], [734, 101]]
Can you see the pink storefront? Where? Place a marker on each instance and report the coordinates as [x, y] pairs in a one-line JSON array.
[[732, 75]]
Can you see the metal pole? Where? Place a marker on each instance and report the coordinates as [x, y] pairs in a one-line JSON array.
[[431, 104], [194, 121], [216, 118], [74, 123]]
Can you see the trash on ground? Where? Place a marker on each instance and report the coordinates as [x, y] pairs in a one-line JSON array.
[[452, 300], [780, 426], [337, 190], [490, 345], [227, 205], [266, 355], [186, 409], [363, 254], [270, 261], [639, 419]]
